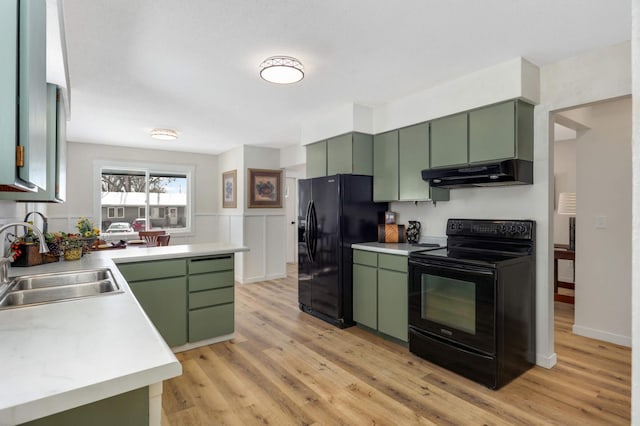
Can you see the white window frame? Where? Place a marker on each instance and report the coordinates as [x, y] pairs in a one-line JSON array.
[[141, 211], [148, 168]]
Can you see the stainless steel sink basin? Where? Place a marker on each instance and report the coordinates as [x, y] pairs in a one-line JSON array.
[[57, 287], [66, 278]]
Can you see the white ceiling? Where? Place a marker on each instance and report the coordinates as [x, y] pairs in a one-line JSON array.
[[193, 65]]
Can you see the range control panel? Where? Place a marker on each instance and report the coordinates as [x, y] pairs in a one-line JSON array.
[[513, 229]]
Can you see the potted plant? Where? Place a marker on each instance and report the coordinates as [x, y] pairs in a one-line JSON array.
[[88, 232]]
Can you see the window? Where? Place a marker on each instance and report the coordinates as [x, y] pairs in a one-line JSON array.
[[156, 196], [115, 212]]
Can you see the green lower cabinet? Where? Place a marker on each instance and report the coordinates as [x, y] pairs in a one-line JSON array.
[[165, 302], [187, 300], [393, 293], [380, 294], [365, 295], [127, 409], [210, 322], [211, 295]]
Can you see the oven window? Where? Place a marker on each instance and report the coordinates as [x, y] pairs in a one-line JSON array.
[[449, 302]]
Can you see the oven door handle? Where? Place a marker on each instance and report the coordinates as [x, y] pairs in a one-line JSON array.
[[442, 266]]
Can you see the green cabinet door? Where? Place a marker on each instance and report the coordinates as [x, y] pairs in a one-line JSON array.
[[165, 303], [351, 153], [339, 155], [365, 295], [131, 408], [393, 300], [413, 144], [317, 159], [385, 166], [449, 141], [492, 133]]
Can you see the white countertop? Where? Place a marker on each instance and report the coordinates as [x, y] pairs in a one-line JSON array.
[[58, 356], [402, 249]]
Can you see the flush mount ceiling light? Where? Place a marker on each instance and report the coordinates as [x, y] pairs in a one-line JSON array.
[[281, 70], [164, 134]]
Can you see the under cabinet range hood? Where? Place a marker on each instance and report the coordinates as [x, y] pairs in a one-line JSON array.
[[507, 172]]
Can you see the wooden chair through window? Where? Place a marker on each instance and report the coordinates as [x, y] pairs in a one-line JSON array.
[[151, 237], [163, 240]]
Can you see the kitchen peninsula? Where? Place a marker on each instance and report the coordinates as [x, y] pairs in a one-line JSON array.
[[60, 356]]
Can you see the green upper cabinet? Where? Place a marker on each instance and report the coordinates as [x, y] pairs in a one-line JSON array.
[[449, 141], [317, 159], [501, 131], [351, 153], [414, 157], [23, 76], [385, 166], [56, 155], [488, 134], [399, 156]]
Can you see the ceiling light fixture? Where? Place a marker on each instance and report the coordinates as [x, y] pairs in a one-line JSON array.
[[164, 134], [281, 70]]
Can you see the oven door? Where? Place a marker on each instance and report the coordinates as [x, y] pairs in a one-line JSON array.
[[454, 301]]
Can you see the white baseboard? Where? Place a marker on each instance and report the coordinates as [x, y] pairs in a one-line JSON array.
[[261, 278], [200, 343], [602, 335], [546, 361]]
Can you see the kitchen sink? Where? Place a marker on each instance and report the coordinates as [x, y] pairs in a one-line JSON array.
[[58, 287]]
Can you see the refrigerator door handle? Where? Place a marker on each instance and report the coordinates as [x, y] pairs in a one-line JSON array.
[[314, 229], [307, 230]]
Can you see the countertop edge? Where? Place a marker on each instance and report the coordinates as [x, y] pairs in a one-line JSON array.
[[42, 406]]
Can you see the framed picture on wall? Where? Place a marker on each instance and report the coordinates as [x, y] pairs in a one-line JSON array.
[[229, 189], [264, 188]]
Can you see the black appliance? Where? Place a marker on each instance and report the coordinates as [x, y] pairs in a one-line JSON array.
[[507, 172], [333, 213], [472, 304]]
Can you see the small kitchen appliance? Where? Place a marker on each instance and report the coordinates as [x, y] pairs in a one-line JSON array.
[[472, 304]]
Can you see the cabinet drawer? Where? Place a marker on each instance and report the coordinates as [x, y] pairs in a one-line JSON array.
[[141, 271], [210, 280], [363, 257], [393, 262], [210, 297], [210, 264], [211, 322]]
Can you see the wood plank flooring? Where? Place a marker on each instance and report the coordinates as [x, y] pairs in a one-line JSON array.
[[285, 367]]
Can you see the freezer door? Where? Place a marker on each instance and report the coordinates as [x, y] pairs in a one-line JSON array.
[[326, 288], [304, 254]]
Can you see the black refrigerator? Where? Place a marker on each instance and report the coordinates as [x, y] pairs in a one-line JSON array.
[[333, 213]]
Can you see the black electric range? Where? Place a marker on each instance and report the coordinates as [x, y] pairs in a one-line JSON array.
[[472, 304]]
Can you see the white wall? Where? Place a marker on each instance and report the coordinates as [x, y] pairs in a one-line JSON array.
[[342, 119], [603, 255], [80, 187], [264, 229], [635, 355], [516, 78]]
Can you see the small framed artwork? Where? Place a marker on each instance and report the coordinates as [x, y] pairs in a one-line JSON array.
[[265, 188], [229, 189]]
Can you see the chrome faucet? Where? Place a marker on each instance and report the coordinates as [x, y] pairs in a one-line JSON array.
[[4, 261], [45, 223]]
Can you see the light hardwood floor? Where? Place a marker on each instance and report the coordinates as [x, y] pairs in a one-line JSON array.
[[285, 367]]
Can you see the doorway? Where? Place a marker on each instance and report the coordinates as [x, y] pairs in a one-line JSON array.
[[595, 164]]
